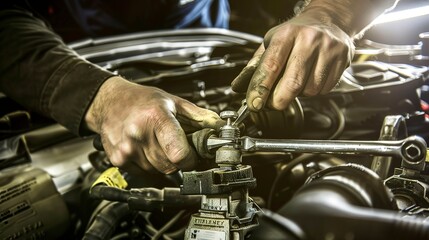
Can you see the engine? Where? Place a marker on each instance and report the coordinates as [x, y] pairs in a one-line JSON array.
[[347, 165]]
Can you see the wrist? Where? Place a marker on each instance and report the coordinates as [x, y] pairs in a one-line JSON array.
[[350, 16], [103, 100]]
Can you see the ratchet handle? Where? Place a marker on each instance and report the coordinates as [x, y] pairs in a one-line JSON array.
[[412, 149]]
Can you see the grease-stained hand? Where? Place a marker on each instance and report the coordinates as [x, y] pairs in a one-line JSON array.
[[300, 56], [144, 127]]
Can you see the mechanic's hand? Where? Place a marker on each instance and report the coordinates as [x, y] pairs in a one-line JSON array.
[[142, 127], [302, 55]]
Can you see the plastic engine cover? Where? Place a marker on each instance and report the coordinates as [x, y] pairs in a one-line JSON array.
[[30, 205]]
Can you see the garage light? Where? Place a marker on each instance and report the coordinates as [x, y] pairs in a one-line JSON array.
[[401, 15]]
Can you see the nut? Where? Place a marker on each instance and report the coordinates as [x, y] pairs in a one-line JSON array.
[[413, 153]]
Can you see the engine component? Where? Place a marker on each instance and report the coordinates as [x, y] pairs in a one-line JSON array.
[[227, 211], [220, 185], [110, 185], [104, 223], [354, 204], [31, 207], [13, 151], [390, 130], [198, 65], [411, 191]]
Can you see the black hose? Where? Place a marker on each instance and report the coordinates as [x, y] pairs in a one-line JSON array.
[[341, 120], [106, 220], [110, 193], [302, 159], [288, 227], [347, 203]]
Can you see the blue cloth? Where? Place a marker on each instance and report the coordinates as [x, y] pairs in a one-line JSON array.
[[110, 17]]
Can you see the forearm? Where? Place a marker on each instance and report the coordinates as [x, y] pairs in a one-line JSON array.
[[40, 72], [352, 16]]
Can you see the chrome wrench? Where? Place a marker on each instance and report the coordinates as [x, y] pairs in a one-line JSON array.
[[412, 149]]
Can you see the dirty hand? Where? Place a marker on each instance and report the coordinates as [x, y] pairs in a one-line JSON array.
[[301, 56], [143, 127]]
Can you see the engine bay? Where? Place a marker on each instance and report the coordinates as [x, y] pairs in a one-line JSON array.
[[350, 164]]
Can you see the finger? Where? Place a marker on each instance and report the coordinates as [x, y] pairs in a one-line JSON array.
[[338, 67], [319, 76], [173, 142], [195, 118], [266, 74], [342, 61], [111, 147], [135, 168], [141, 147], [129, 155], [298, 68], [156, 156], [241, 82]]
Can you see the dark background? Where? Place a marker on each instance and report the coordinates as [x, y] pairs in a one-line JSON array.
[[255, 17]]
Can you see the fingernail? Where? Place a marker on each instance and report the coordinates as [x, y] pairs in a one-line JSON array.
[[257, 103]]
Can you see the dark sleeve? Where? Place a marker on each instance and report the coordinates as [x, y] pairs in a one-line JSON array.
[[40, 72]]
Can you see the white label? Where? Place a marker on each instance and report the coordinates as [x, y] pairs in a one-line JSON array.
[[203, 234]]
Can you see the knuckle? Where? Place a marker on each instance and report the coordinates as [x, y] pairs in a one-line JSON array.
[[281, 100], [271, 64], [155, 117], [309, 35], [272, 33], [253, 63], [118, 159], [279, 36], [178, 154], [260, 89], [329, 86], [294, 86], [311, 91], [279, 103], [250, 66]]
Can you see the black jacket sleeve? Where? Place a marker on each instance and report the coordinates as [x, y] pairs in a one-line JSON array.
[[40, 72]]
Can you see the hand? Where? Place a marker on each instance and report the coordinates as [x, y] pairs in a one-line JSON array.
[[302, 55], [142, 127]]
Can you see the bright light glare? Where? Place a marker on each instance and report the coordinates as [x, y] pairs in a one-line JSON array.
[[401, 15]]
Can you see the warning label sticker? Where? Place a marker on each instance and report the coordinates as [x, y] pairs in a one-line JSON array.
[[16, 190], [204, 234], [15, 210]]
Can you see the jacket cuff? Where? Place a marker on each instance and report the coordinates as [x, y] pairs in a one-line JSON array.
[[75, 84]]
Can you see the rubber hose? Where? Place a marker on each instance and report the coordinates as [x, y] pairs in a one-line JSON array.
[[106, 221], [110, 193], [339, 203]]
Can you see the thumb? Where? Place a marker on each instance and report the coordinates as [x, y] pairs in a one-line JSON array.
[[241, 82]]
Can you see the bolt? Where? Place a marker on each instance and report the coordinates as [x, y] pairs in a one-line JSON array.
[[228, 116], [412, 152]]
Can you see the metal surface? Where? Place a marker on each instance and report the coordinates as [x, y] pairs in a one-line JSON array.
[[220, 33], [389, 131], [66, 162], [192, 46], [242, 113], [226, 210], [413, 148], [225, 189]]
